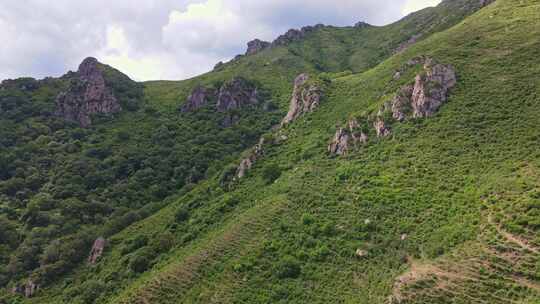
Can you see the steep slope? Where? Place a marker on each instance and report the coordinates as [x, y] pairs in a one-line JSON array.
[[416, 184], [441, 211]]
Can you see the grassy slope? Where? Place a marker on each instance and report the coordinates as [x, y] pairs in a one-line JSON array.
[[418, 182], [439, 180]]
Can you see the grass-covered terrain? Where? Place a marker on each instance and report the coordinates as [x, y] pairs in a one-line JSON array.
[[444, 210]]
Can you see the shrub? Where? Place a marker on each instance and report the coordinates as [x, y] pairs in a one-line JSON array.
[[142, 260], [270, 173], [288, 267], [182, 215]]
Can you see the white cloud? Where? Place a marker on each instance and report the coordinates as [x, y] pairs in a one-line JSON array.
[[162, 39], [415, 5]]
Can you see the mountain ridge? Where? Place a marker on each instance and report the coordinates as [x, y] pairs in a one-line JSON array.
[[397, 219]]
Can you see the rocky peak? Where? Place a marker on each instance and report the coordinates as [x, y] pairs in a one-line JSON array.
[[87, 94], [97, 250], [290, 36], [236, 94], [198, 98], [305, 98], [256, 46], [362, 24]]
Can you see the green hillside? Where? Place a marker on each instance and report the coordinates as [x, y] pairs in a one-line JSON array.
[[444, 209]]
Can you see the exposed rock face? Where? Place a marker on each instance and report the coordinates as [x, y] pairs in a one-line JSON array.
[[290, 36], [236, 94], [347, 138], [256, 46], [97, 250], [30, 289], [340, 143], [305, 99], [248, 162], [88, 94], [401, 104], [199, 97], [431, 90], [381, 128], [362, 24]]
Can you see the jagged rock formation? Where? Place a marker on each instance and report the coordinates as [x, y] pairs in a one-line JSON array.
[[431, 90], [340, 143], [347, 137], [236, 94], [27, 290], [30, 289], [97, 250], [256, 46], [198, 98], [305, 98], [290, 36], [401, 103], [248, 162], [362, 24], [381, 128], [423, 99], [87, 94]]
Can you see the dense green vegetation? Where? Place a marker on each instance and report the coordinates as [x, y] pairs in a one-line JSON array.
[[448, 204]]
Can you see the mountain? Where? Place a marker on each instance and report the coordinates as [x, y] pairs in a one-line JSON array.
[[394, 164]]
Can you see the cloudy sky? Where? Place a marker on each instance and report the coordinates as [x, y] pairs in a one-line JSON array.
[[162, 39]]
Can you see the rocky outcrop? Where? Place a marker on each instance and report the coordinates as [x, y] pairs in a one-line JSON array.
[[340, 143], [421, 99], [293, 35], [347, 138], [218, 66], [30, 289], [290, 36], [362, 24], [199, 97], [247, 163], [27, 290], [431, 90], [305, 98], [236, 94], [87, 94], [401, 104], [97, 250], [256, 46], [381, 128]]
